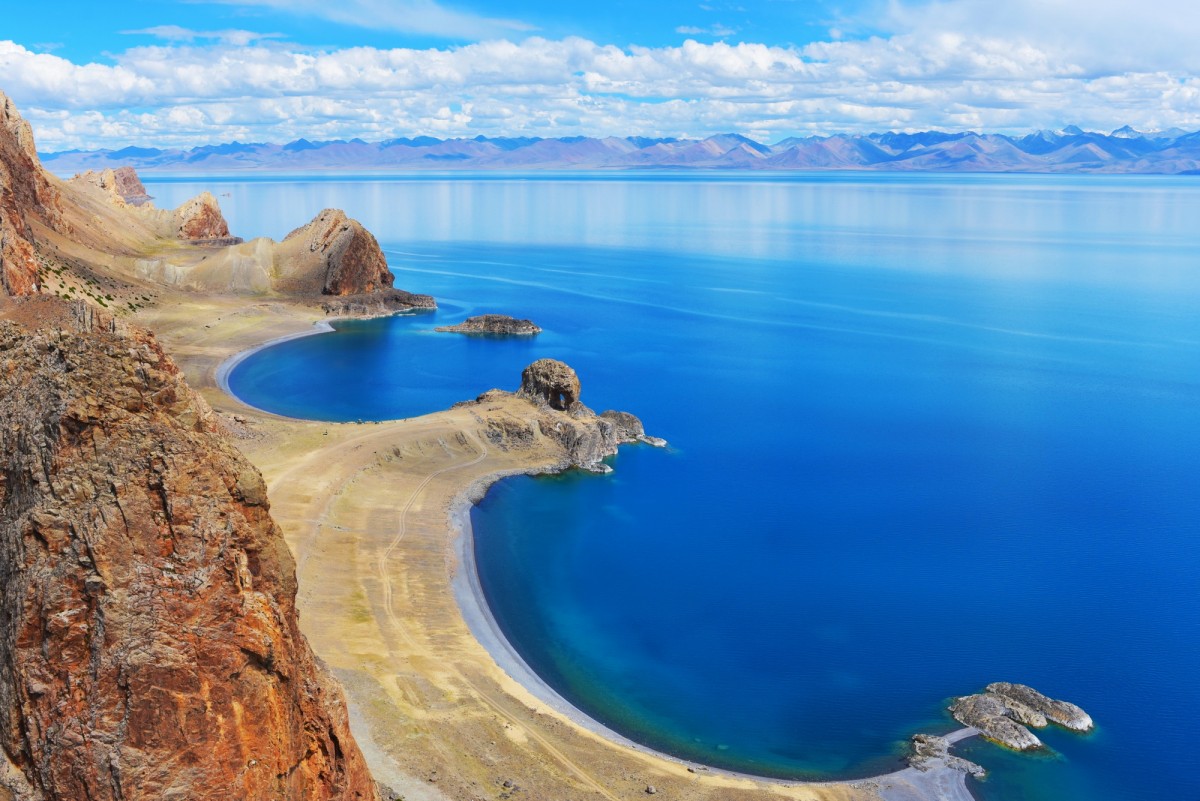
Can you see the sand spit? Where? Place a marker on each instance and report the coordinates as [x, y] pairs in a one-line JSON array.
[[369, 510]]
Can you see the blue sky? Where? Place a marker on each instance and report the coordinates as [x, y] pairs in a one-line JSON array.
[[86, 31], [188, 72]]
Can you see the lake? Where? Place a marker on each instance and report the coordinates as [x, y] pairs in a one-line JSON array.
[[927, 432]]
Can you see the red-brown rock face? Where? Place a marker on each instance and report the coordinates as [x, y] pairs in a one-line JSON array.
[[128, 185], [149, 646], [123, 184], [25, 195], [350, 261], [201, 218]]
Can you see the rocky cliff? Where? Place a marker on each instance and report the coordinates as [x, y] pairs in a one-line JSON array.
[[26, 197], [122, 185], [333, 255], [200, 218], [149, 646]]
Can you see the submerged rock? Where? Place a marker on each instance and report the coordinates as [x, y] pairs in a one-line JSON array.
[[1004, 710], [496, 324]]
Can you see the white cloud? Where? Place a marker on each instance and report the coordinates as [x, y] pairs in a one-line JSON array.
[[1100, 35], [931, 72], [713, 30], [410, 16], [175, 33]]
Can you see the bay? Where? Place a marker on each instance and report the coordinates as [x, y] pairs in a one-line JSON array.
[[928, 432]]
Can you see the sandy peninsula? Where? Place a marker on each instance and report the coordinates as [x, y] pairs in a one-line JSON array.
[[375, 516]]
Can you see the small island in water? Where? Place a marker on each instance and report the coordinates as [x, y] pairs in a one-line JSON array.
[[494, 325]]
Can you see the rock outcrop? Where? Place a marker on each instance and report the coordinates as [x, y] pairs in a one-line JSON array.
[[334, 255], [585, 438], [550, 382], [1004, 710], [26, 196], [200, 219], [494, 324], [123, 185], [383, 302], [930, 752], [149, 646]]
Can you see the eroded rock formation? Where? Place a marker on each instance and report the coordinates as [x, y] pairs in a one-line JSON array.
[[26, 197], [122, 184], [200, 218], [495, 324], [551, 382], [149, 646], [584, 437], [335, 255], [1004, 710]]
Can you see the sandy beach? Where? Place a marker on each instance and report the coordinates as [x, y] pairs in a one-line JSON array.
[[376, 515]]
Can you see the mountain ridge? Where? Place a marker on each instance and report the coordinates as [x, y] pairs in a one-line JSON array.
[[1070, 150]]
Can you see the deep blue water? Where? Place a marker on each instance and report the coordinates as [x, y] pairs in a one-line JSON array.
[[927, 432]]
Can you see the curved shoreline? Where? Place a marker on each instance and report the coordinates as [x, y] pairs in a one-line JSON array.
[[905, 784], [472, 603], [225, 368]]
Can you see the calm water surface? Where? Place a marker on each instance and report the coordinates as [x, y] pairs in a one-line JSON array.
[[928, 432]]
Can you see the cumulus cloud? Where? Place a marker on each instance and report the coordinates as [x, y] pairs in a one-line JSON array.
[[1099, 35], [929, 72]]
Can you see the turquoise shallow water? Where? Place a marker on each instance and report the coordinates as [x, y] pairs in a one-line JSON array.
[[927, 433]]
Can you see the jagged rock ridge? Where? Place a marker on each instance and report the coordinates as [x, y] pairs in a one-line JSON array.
[[149, 646]]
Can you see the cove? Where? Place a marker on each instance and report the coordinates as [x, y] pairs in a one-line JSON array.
[[927, 434]]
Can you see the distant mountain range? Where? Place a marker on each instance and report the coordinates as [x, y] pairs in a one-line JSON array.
[[1069, 150]]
